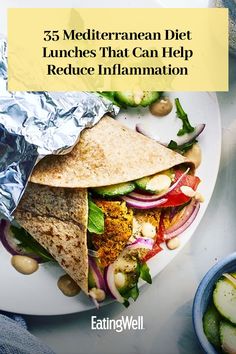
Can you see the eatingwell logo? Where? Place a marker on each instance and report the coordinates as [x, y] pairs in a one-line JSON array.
[[124, 323]]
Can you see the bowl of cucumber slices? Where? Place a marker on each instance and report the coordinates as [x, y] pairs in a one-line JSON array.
[[214, 308]]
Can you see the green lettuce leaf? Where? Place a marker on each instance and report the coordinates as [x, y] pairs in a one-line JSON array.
[[28, 243], [142, 271], [95, 218], [181, 148], [181, 114], [145, 273]]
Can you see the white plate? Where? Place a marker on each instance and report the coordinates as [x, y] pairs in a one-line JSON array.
[[38, 293]]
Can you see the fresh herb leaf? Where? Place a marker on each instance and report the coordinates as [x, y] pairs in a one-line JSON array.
[[182, 149], [173, 145], [133, 293], [126, 303], [145, 273], [142, 271], [181, 114], [95, 218], [28, 243]]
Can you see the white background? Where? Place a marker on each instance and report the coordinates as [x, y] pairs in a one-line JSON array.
[[167, 304]]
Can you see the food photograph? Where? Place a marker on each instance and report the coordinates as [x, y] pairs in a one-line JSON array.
[[117, 213]]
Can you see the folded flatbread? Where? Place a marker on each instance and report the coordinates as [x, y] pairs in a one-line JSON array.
[[109, 153], [54, 208], [57, 219]]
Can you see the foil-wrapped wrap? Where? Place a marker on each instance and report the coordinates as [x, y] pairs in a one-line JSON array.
[[36, 124]]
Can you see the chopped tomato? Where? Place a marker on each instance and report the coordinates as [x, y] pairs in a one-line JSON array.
[[156, 249], [161, 230], [159, 239], [176, 197]]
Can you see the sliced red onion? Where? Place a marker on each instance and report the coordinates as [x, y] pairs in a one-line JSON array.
[[97, 274], [189, 216], [149, 198], [10, 244], [138, 204], [189, 209], [188, 138], [180, 140], [110, 283], [146, 243], [173, 212], [144, 197], [142, 129]]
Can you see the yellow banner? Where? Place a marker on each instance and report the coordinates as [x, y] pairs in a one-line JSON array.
[[117, 49]]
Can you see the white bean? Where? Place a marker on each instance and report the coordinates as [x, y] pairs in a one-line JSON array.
[[199, 197], [24, 265], [188, 191], [162, 107], [68, 286], [97, 294], [148, 230], [173, 243], [120, 279]]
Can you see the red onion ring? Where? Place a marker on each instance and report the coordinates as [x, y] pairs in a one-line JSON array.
[[10, 245], [141, 243], [189, 216], [138, 204], [97, 274], [149, 198], [186, 138], [110, 283]]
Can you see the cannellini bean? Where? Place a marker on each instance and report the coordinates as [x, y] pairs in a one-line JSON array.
[[148, 230], [162, 107], [68, 286], [188, 191], [120, 279], [24, 265], [173, 243], [97, 294], [199, 197]]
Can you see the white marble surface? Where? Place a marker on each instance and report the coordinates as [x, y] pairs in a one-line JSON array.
[[166, 305]]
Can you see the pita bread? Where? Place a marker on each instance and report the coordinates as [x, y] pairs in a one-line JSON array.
[[109, 153], [57, 219]]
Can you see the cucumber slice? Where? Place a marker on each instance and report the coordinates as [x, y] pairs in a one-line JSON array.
[[144, 182], [224, 298], [211, 324], [149, 97], [136, 98], [228, 337], [115, 190], [126, 98]]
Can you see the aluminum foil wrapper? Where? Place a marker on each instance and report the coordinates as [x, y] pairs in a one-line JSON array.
[[36, 124]]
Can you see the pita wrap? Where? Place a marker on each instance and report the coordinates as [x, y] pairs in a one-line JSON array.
[[109, 153], [57, 219]]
